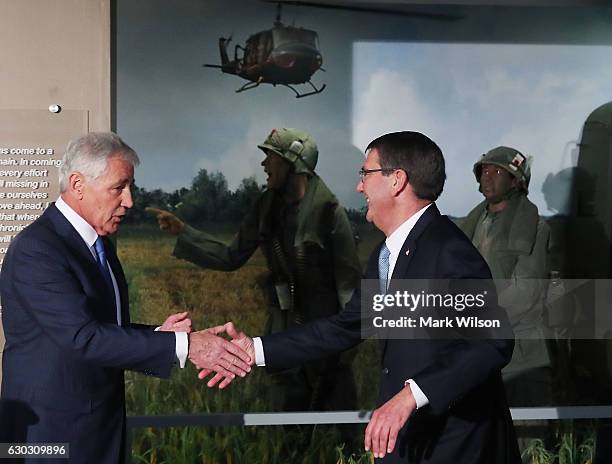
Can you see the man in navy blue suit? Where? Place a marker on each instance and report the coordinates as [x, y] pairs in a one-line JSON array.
[[441, 401], [66, 320]]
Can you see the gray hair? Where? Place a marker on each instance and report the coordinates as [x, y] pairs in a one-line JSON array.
[[89, 155]]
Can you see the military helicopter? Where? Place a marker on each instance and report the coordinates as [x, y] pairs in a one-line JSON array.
[[283, 55]]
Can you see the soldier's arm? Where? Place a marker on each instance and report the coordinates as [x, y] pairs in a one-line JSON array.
[[209, 252]]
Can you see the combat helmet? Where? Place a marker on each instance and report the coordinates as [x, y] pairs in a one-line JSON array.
[[511, 160], [296, 146]]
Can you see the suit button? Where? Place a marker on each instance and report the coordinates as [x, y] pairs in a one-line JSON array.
[[385, 370]]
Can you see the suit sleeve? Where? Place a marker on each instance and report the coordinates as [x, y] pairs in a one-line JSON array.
[[464, 363], [322, 337], [318, 339], [45, 285]]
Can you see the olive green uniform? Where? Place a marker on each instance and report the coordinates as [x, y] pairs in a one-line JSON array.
[[514, 242], [313, 269]]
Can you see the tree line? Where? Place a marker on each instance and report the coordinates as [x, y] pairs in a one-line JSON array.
[[208, 200]]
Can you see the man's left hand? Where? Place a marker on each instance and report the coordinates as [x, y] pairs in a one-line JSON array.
[[178, 322], [386, 422]]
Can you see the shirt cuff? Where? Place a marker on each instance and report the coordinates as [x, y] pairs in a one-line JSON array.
[[419, 397], [260, 359], [182, 348]]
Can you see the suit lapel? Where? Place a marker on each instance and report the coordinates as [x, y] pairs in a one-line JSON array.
[[78, 246], [402, 265], [72, 238]]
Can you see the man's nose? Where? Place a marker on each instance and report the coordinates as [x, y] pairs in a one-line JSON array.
[[126, 198], [359, 186], [486, 176]]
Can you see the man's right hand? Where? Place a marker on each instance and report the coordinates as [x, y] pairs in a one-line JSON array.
[[209, 352], [167, 221], [239, 339]]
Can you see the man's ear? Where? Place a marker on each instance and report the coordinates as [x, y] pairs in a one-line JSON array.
[[76, 182], [400, 180]]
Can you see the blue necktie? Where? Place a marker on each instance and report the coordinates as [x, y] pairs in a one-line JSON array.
[[383, 268], [102, 264]]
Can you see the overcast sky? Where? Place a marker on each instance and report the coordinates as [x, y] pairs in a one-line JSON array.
[[470, 98], [526, 77]]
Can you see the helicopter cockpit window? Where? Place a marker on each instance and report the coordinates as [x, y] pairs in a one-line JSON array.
[[257, 49], [293, 34]]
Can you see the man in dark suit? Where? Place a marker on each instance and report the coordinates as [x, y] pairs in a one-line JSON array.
[[66, 319], [441, 401]]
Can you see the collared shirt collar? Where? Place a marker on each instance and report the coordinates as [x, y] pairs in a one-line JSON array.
[[396, 240], [83, 228]]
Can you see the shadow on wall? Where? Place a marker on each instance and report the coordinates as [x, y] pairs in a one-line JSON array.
[[581, 249]]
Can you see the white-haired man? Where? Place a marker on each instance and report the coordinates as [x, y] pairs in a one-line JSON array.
[[66, 320]]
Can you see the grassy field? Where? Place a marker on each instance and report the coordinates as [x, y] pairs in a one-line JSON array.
[[160, 285]]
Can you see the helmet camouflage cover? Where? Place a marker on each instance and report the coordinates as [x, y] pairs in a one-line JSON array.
[[511, 160], [296, 146]]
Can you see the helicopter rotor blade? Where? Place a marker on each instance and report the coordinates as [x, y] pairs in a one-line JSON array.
[[369, 9]]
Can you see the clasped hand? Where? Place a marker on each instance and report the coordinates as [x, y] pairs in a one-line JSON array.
[[211, 353], [241, 344]]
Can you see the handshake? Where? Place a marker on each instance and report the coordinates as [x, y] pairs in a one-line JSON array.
[[211, 353]]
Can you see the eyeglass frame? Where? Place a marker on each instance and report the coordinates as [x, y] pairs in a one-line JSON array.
[[364, 172]]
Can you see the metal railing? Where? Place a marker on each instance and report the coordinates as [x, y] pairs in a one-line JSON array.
[[336, 417]]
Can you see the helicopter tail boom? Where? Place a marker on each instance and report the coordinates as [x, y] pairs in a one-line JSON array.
[[223, 43]]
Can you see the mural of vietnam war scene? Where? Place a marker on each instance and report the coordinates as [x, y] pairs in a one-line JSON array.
[[251, 120]]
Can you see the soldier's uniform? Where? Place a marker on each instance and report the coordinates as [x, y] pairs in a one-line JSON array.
[[313, 269], [514, 242]]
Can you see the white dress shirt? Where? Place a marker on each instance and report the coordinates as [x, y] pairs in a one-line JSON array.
[[394, 242], [89, 236]]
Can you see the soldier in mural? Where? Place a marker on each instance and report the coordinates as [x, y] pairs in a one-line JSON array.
[[311, 256], [513, 239]]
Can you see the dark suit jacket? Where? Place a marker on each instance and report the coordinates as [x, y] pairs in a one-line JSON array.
[[65, 354], [467, 419]]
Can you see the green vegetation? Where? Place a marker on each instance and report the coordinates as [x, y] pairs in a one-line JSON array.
[[572, 442], [207, 200]]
